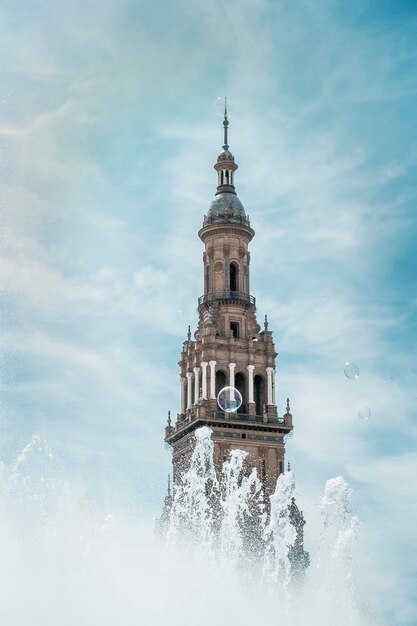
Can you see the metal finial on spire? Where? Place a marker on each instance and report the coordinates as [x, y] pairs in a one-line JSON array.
[[189, 333], [288, 406], [266, 323], [169, 418], [225, 125], [289, 467]]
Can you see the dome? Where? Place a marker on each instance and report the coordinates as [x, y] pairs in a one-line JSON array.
[[226, 207], [226, 155]]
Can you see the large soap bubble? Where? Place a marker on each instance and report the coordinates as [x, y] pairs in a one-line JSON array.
[[229, 399]]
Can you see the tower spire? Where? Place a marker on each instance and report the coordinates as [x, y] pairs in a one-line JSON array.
[[225, 126]]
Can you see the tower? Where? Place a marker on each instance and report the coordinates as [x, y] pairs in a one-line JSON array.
[[229, 348]]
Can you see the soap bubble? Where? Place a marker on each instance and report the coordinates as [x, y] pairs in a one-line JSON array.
[[218, 106], [364, 412], [229, 399], [351, 370]]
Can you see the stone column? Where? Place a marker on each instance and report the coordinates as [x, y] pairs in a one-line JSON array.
[[189, 389], [196, 384], [212, 380], [183, 393], [273, 387], [204, 379], [250, 369], [232, 374], [269, 371]]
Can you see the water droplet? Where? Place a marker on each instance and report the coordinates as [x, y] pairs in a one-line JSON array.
[[364, 412], [351, 370], [229, 399], [180, 314]]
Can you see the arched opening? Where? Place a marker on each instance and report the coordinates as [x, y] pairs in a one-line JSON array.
[[234, 276], [240, 385], [259, 393], [227, 177], [220, 381]]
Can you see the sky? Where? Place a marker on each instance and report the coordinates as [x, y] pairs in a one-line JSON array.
[[108, 136]]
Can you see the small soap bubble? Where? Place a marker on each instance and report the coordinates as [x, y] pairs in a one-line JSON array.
[[229, 399], [180, 314], [351, 370], [364, 412]]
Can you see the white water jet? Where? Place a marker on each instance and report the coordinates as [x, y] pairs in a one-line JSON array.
[[279, 533], [241, 495]]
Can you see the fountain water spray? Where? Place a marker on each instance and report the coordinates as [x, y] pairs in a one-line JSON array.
[[66, 561]]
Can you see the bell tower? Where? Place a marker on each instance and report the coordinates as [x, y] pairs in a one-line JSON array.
[[228, 347]]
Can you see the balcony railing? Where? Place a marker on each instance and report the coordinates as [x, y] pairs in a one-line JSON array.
[[244, 417], [227, 295], [226, 217]]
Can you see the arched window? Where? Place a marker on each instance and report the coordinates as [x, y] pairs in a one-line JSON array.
[[234, 329], [259, 393], [234, 277], [240, 384]]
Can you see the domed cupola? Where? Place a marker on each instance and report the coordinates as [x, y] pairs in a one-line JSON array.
[[226, 206]]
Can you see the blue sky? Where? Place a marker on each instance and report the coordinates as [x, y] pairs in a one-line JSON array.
[[108, 138]]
